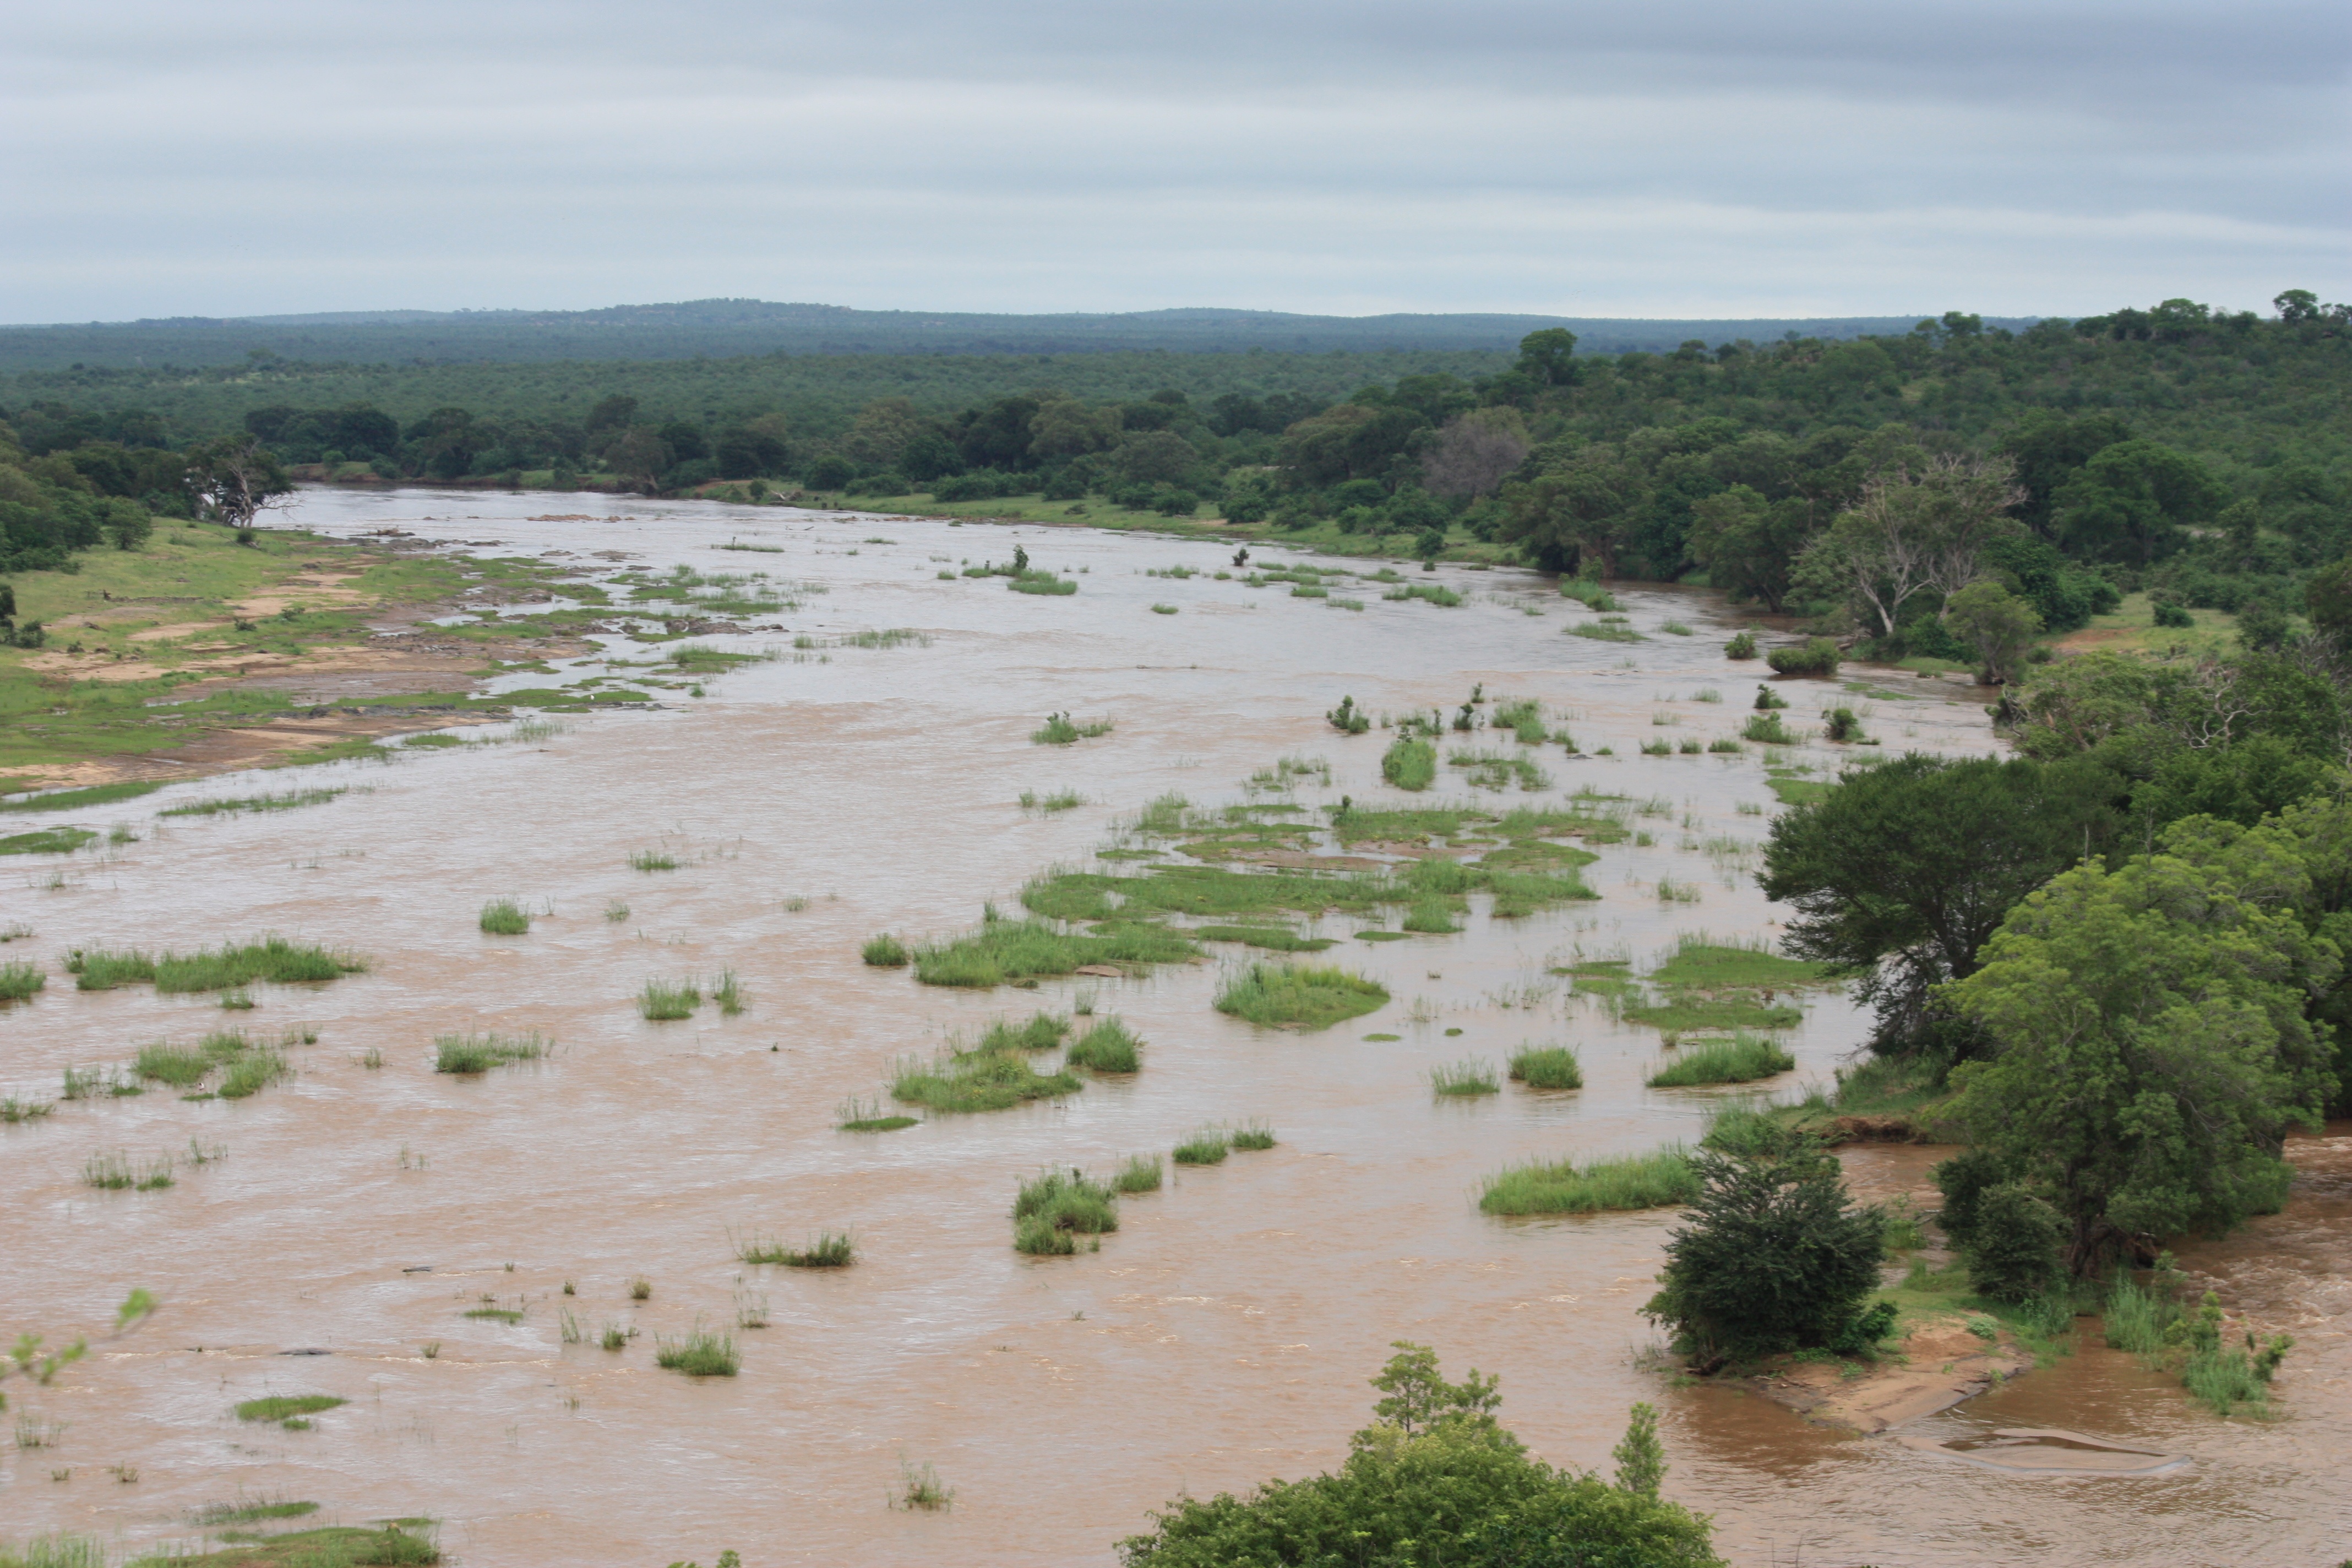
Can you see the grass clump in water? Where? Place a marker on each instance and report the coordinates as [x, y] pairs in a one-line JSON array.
[[653, 860], [1740, 1060], [282, 1407], [1052, 1211], [272, 959], [884, 952], [1410, 764], [480, 1053], [19, 981], [1547, 1066], [869, 1116], [505, 916], [1004, 950], [1273, 939], [76, 799], [1209, 1146], [667, 1000], [1628, 1182], [1059, 731], [114, 1173], [221, 1513], [250, 1073], [46, 841], [1431, 918], [1307, 997], [1255, 1136], [729, 995], [977, 1081], [1109, 1046], [830, 1249], [1141, 1174], [699, 1354], [289, 801], [1468, 1077]]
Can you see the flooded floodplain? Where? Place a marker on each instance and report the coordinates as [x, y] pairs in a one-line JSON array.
[[446, 1252]]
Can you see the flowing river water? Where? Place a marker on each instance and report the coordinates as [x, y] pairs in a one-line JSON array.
[[1222, 1335]]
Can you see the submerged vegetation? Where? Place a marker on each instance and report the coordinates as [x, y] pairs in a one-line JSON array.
[[272, 959], [1002, 950], [1740, 1060], [994, 1073], [1306, 997], [480, 1053]]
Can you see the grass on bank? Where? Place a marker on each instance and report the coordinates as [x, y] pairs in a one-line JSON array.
[[1302, 995]]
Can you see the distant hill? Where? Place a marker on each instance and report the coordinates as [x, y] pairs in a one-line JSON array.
[[727, 327]]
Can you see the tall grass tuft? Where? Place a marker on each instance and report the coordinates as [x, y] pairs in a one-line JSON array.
[[653, 860], [1141, 1174], [251, 1073], [1308, 995], [1052, 1210], [480, 1053], [1059, 729], [1109, 1046], [1743, 1058], [504, 917], [830, 1249], [272, 959], [1254, 1136], [885, 952], [1468, 1077], [1209, 1146], [665, 1000], [729, 995], [699, 1354], [1547, 1066], [855, 1115], [1627, 1181], [19, 981]]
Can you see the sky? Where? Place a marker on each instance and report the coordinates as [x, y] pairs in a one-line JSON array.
[[1670, 158]]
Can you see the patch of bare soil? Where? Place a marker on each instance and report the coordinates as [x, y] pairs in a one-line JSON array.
[[1939, 1365]]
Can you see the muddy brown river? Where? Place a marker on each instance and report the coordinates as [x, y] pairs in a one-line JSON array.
[[1222, 1336]]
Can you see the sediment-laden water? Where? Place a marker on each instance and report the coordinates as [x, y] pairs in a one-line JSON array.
[[1222, 1335]]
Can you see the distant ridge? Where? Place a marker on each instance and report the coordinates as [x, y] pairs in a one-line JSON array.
[[730, 328]]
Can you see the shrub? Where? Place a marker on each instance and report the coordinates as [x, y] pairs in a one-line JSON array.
[[2175, 616], [1348, 719], [885, 952], [1764, 729], [1964, 1179], [1767, 699], [1410, 764], [1842, 725], [1741, 646], [1813, 657], [2013, 1241], [1772, 1259]]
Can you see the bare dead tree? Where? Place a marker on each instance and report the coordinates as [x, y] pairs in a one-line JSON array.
[[1474, 454]]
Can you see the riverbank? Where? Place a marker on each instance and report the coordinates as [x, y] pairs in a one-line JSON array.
[[198, 654]]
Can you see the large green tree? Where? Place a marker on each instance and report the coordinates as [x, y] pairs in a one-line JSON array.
[[1901, 872], [2150, 1046]]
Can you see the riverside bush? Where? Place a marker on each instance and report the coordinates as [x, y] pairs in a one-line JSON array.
[[1813, 657]]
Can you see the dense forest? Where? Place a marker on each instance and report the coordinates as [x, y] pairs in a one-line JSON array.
[[738, 328]]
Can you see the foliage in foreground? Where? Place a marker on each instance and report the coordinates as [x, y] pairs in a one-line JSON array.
[[1435, 1480]]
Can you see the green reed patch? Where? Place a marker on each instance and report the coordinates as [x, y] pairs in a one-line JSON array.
[[114, 1171], [1547, 1066], [79, 799], [653, 860], [1059, 729], [252, 1072], [884, 952], [214, 1515], [830, 1249], [182, 1067], [990, 1075], [701, 1353], [1254, 1136], [1463, 1078], [1430, 917], [46, 841], [505, 916], [664, 1001], [1741, 1060], [1141, 1174], [211, 969], [289, 800], [1656, 1180], [1272, 939], [287, 1406], [1306, 997], [480, 1053], [1111, 1047], [1702, 964], [1004, 950], [20, 981], [1052, 1211], [1410, 764]]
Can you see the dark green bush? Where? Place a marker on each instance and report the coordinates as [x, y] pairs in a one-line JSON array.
[[2171, 615], [1814, 656], [1963, 1180], [2013, 1241], [1773, 1259]]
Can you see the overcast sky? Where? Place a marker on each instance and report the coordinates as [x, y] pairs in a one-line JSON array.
[[1640, 158]]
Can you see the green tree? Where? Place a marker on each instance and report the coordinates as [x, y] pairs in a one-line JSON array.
[[1997, 624], [1903, 871], [1415, 1397], [2012, 1250], [1548, 357], [2150, 1044], [2130, 501], [1772, 1257], [236, 479], [1641, 1458], [1747, 544], [1576, 517]]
